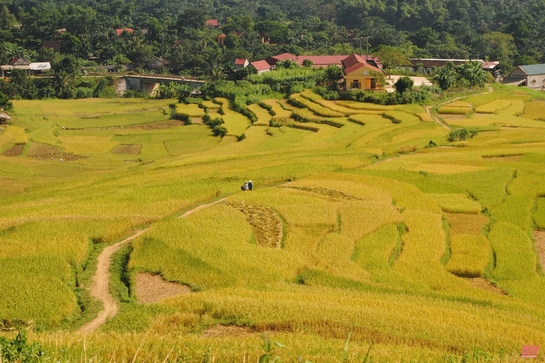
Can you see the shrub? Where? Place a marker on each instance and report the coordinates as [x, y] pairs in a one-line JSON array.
[[20, 350], [404, 84], [219, 131], [461, 134]]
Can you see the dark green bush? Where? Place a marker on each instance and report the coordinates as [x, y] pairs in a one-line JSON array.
[[20, 350], [461, 134]]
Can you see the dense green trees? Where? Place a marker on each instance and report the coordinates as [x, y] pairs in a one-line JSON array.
[[176, 31], [470, 74]]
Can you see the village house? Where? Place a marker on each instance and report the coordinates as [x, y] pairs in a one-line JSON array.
[[532, 76], [241, 63], [360, 75], [33, 69], [261, 66], [320, 61]]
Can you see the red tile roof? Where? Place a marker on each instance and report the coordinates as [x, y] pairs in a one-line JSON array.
[[240, 61], [355, 62], [261, 65], [212, 22], [284, 56], [321, 60], [120, 31]]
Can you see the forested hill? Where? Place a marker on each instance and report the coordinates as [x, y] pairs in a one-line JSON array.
[[507, 30]]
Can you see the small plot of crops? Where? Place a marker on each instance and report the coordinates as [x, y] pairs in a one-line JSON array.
[[488, 97], [493, 107], [424, 116], [192, 109], [469, 255], [449, 110], [364, 106], [314, 107], [466, 223], [459, 104], [456, 203], [539, 213], [514, 255], [373, 252], [263, 116], [277, 109], [211, 105], [534, 110]]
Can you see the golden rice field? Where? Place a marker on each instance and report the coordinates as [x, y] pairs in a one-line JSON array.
[[357, 233]]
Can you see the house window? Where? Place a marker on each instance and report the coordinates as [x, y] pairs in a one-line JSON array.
[[373, 83], [365, 73], [355, 84]]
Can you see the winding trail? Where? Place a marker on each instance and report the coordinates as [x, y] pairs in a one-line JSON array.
[[428, 108], [100, 288]]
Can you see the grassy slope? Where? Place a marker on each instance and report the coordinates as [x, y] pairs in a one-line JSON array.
[[364, 247]]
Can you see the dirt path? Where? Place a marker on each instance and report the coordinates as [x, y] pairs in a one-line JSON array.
[[202, 206], [428, 108], [540, 246], [100, 289]]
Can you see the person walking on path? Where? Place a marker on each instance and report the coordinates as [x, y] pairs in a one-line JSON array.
[[250, 185]]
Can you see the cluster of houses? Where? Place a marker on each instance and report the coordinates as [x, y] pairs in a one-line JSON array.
[[361, 72], [33, 69]]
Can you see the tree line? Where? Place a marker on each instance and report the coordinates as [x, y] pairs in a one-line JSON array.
[[169, 36]]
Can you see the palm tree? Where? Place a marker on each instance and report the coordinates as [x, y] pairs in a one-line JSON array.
[[474, 73], [446, 77]]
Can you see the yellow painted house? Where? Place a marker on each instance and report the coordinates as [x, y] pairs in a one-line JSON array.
[[360, 75]]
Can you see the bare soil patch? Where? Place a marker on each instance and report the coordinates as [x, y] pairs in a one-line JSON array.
[[266, 224], [49, 152], [131, 149], [152, 288], [540, 246], [482, 283], [228, 331], [15, 150]]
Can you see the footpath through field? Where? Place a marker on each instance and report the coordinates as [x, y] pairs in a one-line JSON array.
[[428, 108], [100, 289]]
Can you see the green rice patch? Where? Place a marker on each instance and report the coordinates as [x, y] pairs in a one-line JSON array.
[[513, 250], [534, 110], [192, 110], [457, 203], [539, 213], [469, 255], [447, 110], [494, 106]]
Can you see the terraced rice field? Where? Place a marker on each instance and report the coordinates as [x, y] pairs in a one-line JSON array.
[[355, 228]]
